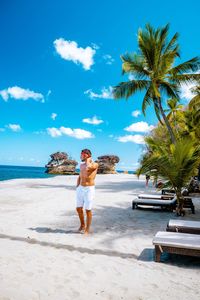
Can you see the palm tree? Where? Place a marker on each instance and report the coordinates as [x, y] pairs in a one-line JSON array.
[[174, 165], [174, 108], [153, 71], [175, 113]]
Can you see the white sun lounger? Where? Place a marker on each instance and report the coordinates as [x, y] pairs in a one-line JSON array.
[[184, 226], [168, 204], [187, 200], [155, 196], [177, 243]]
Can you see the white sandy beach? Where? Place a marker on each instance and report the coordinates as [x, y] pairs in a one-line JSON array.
[[43, 257]]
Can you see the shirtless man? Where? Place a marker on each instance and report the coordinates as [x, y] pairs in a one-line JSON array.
[[85, 189]]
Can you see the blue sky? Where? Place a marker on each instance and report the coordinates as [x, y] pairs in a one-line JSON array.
[[58, 62]]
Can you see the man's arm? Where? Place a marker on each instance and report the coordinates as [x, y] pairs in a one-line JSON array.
[[92, 166], [78, 181]]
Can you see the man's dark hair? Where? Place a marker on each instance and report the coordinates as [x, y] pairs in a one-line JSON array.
[[87, 151]]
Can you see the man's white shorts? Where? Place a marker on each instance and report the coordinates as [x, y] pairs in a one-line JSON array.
[[85, 196]]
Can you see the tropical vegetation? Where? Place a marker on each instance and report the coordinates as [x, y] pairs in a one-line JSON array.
[[172, 148]]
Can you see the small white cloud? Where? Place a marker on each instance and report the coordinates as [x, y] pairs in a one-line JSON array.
[[136, 113], [14, 127], [108, 58], [2, 129], [104, 94], [137, 139], [19, 93], [53, 116], [95, 46], [48, 93], [135, 164], [139, 127], [69, 50], [100, 130], [40, 132], [131, 77], [76, 133], [94, 121], [186, 90], [54, 132], [111, 136]]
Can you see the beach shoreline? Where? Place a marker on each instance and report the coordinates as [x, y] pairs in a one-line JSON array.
[[43, 257]]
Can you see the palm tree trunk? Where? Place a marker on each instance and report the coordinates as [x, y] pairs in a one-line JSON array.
[[171, 133], [180, 201]]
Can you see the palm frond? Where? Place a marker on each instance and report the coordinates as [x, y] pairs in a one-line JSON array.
[[147, 100], [133, 64], [171, 90], [188, 66], [185, 78], [172, 45], [127, 89], [175, 164]]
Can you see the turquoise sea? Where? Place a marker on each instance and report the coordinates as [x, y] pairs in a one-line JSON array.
[[13, 172]]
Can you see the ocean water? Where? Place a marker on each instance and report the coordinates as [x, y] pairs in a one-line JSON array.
[[13, 172]]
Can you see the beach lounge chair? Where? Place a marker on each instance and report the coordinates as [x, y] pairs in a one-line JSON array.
[[167, 191], [164, 204], [183, 226], [177, 243], [155, 196], [187, 200]]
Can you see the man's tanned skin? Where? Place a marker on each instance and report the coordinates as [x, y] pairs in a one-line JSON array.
[[88, 171]]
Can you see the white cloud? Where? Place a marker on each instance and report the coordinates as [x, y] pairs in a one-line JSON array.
[[131, 77], [139, 127], [54, 132], [53, 116], [135, 164], [111, 136], [76, 133], [186, 90], [136, 113], [137, 139], [105, 93], [2, 129], [69, 50], [48, 94], [95, 46], [19, 93], [40, 132], [108, 58], [14, 127], [94, 121]]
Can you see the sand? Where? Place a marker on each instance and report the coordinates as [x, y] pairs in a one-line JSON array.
[[43, 257]]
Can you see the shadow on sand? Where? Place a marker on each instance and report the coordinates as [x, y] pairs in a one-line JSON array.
[[70, 247]]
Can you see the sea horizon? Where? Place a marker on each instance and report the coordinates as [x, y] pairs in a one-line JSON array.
[[8, 172]]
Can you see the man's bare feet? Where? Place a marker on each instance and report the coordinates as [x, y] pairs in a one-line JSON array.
[[81, 229], [87, 231]]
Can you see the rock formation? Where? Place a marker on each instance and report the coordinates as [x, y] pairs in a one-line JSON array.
[[107, 164], [60, 163]]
